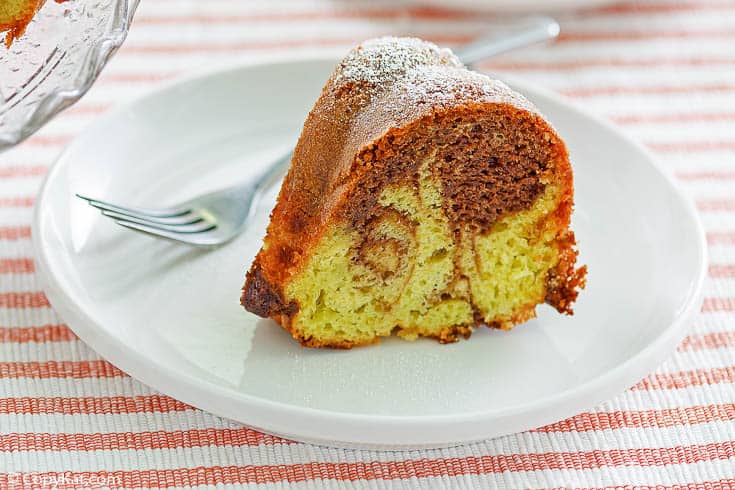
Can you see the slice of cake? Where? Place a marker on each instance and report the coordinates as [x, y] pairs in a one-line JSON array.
[[423, 199], [15, 15]]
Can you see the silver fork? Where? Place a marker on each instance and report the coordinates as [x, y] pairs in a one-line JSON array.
[[210, 219], [217, 217]]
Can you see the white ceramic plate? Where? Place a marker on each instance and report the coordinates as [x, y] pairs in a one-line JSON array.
[[169, 315]]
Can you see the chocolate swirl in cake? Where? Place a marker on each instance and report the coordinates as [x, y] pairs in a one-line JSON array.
[[405, 114]]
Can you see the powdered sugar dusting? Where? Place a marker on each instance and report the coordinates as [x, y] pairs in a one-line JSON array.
[[381, 61], [408, 75], [444, 85], [428, 89]]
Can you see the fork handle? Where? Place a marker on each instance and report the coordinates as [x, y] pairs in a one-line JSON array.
[[523, 33], [273, 173]]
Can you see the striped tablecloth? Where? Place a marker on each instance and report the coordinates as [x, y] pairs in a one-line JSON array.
[[664, 70]]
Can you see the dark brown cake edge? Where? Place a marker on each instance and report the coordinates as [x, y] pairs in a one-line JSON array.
[[264, 298]]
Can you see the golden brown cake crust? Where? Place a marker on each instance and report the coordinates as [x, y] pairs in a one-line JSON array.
[[359, 137]]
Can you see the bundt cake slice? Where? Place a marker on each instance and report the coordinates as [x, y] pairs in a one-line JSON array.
[[15, 15], [423, 199]]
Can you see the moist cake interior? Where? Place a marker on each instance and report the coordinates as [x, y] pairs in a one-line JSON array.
[[423, 199]]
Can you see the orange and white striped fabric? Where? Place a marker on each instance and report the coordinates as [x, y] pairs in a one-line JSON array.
[[664, 70]]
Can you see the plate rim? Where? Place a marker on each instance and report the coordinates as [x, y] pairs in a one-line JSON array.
[[182, 386]]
